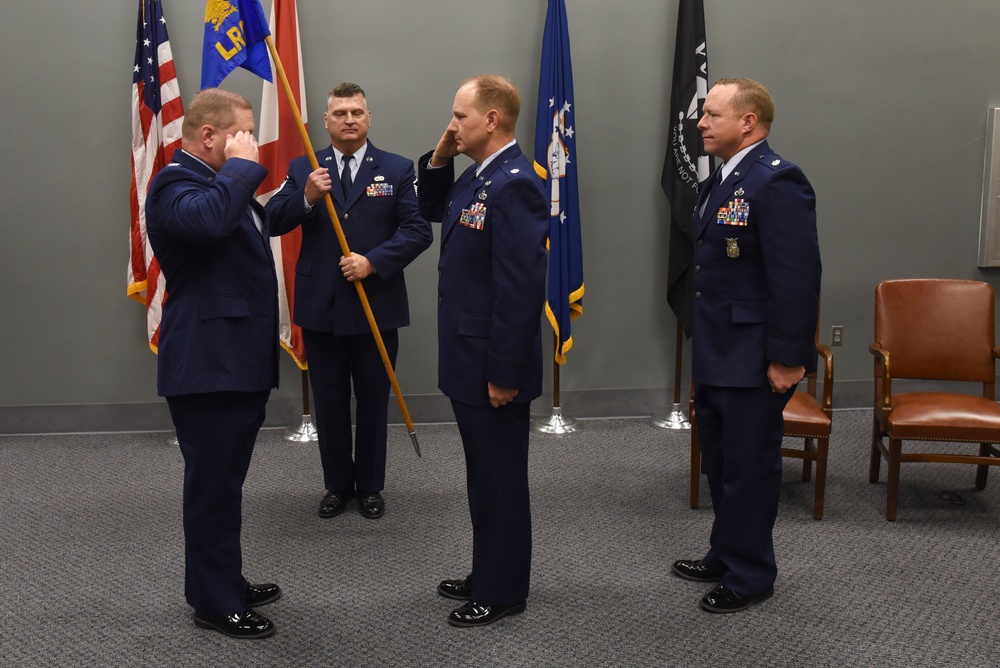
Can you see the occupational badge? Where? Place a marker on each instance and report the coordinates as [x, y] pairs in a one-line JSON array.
[[739, 193], [732, 247], [482, 195], [379, 177]]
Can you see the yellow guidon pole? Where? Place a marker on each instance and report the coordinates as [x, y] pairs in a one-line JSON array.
[[344, 248]]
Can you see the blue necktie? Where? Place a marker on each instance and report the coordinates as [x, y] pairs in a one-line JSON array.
[[345, 175]]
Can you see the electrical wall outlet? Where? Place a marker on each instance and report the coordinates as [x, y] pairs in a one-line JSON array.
[[837, 338]]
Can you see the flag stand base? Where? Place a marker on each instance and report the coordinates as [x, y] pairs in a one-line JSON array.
[[304, 433], [676, 420], [555, 424], [171, 439]]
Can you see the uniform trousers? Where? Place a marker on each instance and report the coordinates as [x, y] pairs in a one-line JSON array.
[[740, 432], [495, 441], [216, 432], [335, 362]]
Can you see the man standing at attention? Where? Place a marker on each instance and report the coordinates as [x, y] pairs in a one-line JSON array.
[[218, 352], [491, 289], [377, 207], [756, 301]]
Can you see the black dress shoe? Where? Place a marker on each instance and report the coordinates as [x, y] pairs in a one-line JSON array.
[[473, 614], [246, 624], [333, 504], [260, 594], [694, 569], [723, 599], [460, 590], [371, 505]]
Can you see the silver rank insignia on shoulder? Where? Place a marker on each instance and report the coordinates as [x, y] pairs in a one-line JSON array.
[[732, 247], [739, 193], [379, 178], [515, 171], [776, 163], [482, 195]]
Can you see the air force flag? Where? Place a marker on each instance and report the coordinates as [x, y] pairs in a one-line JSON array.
[[555, 161]]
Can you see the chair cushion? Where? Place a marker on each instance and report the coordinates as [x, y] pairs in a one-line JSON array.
[[804, 417], [944, 416]]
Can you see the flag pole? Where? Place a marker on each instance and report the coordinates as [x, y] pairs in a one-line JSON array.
[[555, 424], [344, 248], [676, 419], [305, 432]]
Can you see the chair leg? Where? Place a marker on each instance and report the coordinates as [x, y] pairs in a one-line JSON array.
[[982, 470], [822, 446], [875, 460], [807, 466], [695, 467], [892, 466]]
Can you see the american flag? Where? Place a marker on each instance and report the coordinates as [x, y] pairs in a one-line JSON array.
[[157, 115], [279, 144]]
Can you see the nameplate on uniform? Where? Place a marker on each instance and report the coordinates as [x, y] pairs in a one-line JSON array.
[[474, 216], [379, 190], [737, 213]]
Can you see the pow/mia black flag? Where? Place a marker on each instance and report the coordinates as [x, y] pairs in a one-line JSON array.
[[686, 164]]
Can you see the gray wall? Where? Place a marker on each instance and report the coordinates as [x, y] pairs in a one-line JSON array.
[[883, 104]]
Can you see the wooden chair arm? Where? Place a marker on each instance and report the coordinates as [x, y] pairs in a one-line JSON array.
[[883, 385], [824, 351]]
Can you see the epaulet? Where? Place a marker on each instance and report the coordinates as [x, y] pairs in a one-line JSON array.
[[510, 169], [771, 160]]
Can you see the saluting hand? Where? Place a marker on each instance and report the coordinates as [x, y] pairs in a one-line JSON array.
[[446, 149], [242, 145]]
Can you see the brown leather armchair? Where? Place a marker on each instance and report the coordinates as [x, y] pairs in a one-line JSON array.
[[941, 330], [806, 416]]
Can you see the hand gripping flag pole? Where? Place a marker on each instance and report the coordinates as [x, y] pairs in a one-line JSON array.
[[344, 248]]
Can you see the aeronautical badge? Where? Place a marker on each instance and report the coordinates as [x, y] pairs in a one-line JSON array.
[[739, 193], [732, 247], [482, 195], [776, 163], [379, 178], [474, 217]]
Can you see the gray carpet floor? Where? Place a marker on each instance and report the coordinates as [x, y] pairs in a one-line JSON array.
[[92, 560]]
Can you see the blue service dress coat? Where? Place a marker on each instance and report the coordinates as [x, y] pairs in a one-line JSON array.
[[756, 300], [491, 291], [218, 354], [381, 222], [219, 330], [492, 276]]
